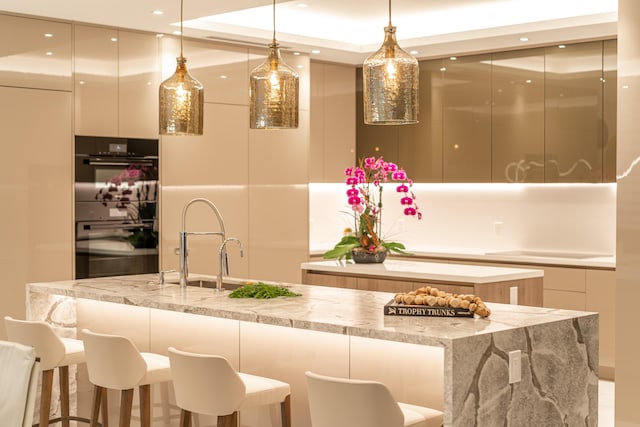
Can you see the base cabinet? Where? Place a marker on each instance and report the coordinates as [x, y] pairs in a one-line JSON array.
[[529, 291]]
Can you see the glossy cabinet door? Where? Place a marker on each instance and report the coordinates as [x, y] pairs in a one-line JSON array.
[[517, 116], [466, 139], [573, 113], [138, 82], [610, 109], [35, 53], [96, 81], [333, 130], [36, 220]]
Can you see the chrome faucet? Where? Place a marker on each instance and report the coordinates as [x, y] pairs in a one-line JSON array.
[[224, 262], [184, 251]]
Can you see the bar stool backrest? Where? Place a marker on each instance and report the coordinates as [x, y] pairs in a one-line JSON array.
[[340, 402], [113, 361], [39, 335], [205, 384], [19, 379]]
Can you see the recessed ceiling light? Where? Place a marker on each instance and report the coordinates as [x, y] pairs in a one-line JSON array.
[[453, 58], [48, 35], [625, 86], [528, 81], [561, 46], [413, 52], [148, 83], [223, 76], [176, 33], [300, 65], [315, 51], [81, 82], [443, 69], [114, 39], [48, 53], [524, 39], [296, 53], [158, 12], [159, 35]]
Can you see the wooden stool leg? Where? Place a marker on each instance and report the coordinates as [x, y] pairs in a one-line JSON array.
[[95, 405], [45, 397], [230, 420], [63, 372], [105, 409], [145, 405], [285, 410], [126, 402], [185, 418]]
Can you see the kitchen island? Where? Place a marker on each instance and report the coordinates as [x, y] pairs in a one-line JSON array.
[[493, 284], [460, 366]]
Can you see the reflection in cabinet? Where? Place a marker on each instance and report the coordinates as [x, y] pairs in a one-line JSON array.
[[35, 53], [517, 145], [573, 113]]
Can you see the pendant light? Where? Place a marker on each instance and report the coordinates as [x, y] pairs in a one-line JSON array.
[[181, 99], [390, 83], [273, 91]]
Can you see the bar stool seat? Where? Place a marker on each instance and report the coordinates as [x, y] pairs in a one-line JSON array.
[[53, 352], [208, 384], [114, 362], [341, 402]]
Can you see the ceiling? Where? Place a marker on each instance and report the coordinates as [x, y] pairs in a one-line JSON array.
[[347, 31]]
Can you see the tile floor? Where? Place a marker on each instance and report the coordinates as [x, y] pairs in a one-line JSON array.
[[606, 399]]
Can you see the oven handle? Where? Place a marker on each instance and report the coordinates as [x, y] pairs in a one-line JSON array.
[[98, 162], [110, 226]]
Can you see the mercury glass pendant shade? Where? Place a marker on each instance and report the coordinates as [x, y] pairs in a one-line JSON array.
[[390, 84], [181, 103], [274, 92]]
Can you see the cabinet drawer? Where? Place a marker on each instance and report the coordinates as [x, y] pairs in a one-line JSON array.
[[564, 279]]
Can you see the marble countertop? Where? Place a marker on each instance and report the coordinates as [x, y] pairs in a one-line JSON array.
[[516, 256], [395, 268], [319, 308]]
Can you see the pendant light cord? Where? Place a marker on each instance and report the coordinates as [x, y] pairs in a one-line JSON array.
[[389, 12], [181, 9], [274, 22]]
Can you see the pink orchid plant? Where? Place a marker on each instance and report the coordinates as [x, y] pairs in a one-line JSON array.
[[364, 196]]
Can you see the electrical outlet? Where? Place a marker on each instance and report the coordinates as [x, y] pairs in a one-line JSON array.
[[513, 295], [515, 366]]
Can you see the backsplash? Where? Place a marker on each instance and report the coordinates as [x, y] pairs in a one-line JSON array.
[[547, 217]]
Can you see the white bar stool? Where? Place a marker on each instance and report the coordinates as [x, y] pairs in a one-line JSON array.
[[340, 402], [114, 362], [208, 384], [54, 352]]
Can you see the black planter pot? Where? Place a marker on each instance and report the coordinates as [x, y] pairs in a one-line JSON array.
[[361, 256]]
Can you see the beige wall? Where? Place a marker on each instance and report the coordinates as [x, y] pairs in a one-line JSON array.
[[628, 235]]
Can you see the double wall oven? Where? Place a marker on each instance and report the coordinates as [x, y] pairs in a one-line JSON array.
[[116, 209]]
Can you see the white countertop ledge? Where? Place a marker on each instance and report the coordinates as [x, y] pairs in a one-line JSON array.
[[445, 272]]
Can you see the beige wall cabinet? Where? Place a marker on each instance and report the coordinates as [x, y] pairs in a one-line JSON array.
[[116, 83], [35, 53], [333, 130], [36, 221]]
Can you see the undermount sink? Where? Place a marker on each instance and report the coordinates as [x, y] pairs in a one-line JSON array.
[[543, 254], [210, 283]]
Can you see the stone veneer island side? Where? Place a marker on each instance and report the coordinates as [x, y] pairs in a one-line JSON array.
[[457, 365]]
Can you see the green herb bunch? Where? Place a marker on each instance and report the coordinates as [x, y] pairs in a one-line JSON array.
[[261, 291]]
